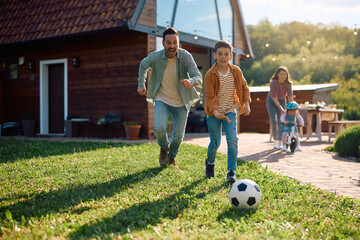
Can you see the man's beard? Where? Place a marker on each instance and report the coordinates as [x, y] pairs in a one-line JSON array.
[[171, 52]]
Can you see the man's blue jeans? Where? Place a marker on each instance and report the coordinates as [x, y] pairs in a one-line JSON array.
[[215, 129], [179, 117]]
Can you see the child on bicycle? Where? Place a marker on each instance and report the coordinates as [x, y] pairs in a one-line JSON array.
[[288, 120]]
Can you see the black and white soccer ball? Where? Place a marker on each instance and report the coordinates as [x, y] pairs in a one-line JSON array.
[[245, 193]]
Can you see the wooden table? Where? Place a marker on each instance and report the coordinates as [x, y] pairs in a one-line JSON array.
[[322, 114]]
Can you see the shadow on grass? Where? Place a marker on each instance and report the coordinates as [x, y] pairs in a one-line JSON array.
[[234, 213], [61, 200], [142, 215], [12, 149]]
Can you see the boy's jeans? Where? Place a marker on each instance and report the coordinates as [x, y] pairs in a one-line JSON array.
[[179, 117], [215, 131]]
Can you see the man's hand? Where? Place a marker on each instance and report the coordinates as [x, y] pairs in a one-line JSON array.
[[186, 83], [221, 116], [141, 91]]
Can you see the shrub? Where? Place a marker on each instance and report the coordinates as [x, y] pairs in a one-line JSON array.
[[348, 141], [329, 148]]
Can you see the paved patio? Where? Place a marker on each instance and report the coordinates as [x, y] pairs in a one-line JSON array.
[[312, 165]]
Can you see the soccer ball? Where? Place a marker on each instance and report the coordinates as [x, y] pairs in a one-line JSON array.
[[245, 193]]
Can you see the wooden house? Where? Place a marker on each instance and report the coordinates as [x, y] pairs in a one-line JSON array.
[[258, 120], [69, 57]]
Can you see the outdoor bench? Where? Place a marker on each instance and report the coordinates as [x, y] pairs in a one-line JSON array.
[[340, 125]]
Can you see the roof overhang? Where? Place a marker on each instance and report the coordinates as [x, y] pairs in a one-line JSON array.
[[308, 87]]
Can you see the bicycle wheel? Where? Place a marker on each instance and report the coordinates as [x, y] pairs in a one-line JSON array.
[[293, 144]]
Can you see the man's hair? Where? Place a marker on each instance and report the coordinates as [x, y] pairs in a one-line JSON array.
[[168, 31], [225, 44]]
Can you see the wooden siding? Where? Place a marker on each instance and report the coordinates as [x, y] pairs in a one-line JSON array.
[[106, 80]]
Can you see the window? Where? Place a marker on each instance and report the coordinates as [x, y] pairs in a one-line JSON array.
[[12, 73], [226, 19], [197, 17], [164, 12]]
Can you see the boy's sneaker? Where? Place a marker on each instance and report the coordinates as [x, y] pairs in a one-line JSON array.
[[299, 148], [283, 148], [209, 169], [230, 178]]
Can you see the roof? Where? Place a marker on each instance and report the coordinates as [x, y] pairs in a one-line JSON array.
[[23, 21], [39, 19], [308, 87]]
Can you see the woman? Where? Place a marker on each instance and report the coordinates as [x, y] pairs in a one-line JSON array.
[[280, 88]]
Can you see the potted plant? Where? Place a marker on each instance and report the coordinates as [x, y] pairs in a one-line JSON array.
[[28, 125], [68, 125], [132, 130]]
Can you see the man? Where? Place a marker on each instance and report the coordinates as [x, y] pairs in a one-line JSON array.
[[171, 90]]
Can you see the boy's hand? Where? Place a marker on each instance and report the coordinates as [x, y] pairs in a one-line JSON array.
[[221, 116], [141, 91], [286, 123], [186, 83], [247, 110]]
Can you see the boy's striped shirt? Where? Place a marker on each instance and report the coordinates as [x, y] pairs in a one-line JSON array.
[[225, 99]]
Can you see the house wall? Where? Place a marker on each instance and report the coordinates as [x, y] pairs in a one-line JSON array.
[[106, 80], [322, 96]]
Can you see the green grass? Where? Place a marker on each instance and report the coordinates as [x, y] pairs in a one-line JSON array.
[[82, 190]]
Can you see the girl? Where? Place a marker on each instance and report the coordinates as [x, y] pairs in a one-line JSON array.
[[288, 119]]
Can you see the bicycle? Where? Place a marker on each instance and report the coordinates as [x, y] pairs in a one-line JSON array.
[[291, 140]]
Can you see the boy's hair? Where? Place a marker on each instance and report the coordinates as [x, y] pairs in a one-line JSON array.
[[168, 31], [225, 44]]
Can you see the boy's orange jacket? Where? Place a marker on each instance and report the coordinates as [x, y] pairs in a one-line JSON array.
[[212, 88]]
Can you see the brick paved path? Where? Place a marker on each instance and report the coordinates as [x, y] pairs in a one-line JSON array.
[[324, 170]]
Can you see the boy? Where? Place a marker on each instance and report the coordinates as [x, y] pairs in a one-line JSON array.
[[225, 87], [288, 119]]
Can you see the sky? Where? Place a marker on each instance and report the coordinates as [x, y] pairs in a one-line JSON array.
[[341, 12]]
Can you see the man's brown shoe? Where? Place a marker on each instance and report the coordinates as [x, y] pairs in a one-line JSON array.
[[172, 161], [163, 158]]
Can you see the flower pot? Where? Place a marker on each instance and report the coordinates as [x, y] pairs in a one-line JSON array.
[[68, 128], [132, 132], [28, 126]]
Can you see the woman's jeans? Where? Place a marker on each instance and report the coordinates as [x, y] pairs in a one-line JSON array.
[[274, 115], [215, 129], [179, 117]]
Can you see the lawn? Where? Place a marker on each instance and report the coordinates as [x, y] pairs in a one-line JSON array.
[[108, 190]]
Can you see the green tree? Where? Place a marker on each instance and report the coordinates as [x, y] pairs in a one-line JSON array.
[[348, 96]]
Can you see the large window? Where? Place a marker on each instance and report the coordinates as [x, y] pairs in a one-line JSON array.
[[226, 19], [164, 12], [212, 19]]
